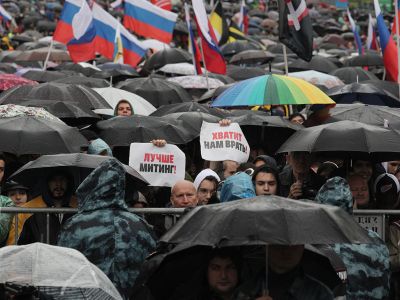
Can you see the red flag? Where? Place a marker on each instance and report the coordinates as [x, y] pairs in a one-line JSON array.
[[164, 4]]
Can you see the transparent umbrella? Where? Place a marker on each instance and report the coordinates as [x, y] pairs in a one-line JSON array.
[[61, 273]]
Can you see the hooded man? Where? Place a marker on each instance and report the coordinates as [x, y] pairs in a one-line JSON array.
[[367, 265], [57, 192], [104, 230]]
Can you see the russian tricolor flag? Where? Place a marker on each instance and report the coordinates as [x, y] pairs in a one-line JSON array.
[[4, 15], [357, 37], [76, 29], [213, 59], [148, 20], [106, 32], [243, 18], [193, 48], [388, 46]]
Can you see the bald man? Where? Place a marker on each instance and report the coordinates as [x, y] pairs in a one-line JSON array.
[[183, 194]]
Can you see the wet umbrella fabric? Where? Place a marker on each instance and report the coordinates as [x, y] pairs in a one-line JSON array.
[[192, 120], [43, 76], [58, 272], [31, 135], [41, 55], [55, 91], [236, 47], [346, 138], [155, 90], [167, 56], [366, 60], [265, 220], [376, 115], [186, 107], [252, 57], [239, 73], [88, 82], [317, 63], [122, 131], [364, 93], [79, 164], [353, 74]]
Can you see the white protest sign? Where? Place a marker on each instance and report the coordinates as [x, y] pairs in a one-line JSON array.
[[160, 166], [218, 143], [371, 222]]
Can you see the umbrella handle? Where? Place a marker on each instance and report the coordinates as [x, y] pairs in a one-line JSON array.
[[265, 291]]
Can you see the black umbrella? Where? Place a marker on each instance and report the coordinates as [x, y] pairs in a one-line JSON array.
[[346, 138], [242, 73], [224, 78], [71, 113], [186, 107], [189, 265], [79, 164], [7, 68], [388, 86], [87, 71], [192, 120], [122, 131], [365, 60], [181, 27], [118, 72], [230, 49], [155, 90], [166, 56], [252, 57], [45, 26], [369, 114], [265, 220], [55, 91], [34, 135], [213, 94], [317, 63], [37, 45], [43, 76], [364, 93], [264, 131], [122, 67], [353, 74], [278, 49], [86, 81]]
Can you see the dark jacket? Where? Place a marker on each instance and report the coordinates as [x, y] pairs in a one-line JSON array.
[[111, 237]]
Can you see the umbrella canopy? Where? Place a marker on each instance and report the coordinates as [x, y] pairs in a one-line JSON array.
[[239, 73], [388, 86], [317, 63], [55, 91], [122, 131], [334, 39], [80, 164], [196, 82], [32, 131], [167, 56], [369, 114], [192, 120], [86, 81], [187, 107], [213, 93], [353, 74], [83, 68], [8, 81], [252, 57], [230, 49], [41, 54], [8, 68], [318, 78], [43, 76], [71, 113], [265, 220], [364, 93], [58, 272], [269, 90], [113, 95], [155, 90], [365, 60], [183, 68], [346, 138]]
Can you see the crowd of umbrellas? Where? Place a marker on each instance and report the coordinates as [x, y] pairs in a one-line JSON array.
[[44, 108]]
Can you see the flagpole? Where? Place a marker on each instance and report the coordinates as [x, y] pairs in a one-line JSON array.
[[285, 60], [48, 55], [204, 62], [187, 17], [396, 6]]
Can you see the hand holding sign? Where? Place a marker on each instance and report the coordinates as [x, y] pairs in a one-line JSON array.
[[220, 143], [159, 165]]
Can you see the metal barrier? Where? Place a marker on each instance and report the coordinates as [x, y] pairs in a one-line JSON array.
[[53, 210], [374, 220]]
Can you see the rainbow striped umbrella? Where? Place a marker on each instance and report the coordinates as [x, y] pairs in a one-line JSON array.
[[271, 90]]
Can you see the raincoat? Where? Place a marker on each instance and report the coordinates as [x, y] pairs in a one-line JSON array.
[[238, 186], [111, 237], [368, 272], [97, 146], [5, 219]]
